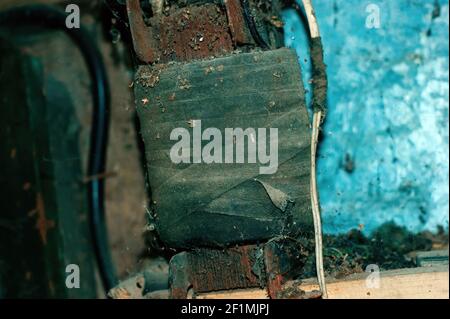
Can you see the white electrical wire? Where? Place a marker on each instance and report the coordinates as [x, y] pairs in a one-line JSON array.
[[311, 17], [317, 120]]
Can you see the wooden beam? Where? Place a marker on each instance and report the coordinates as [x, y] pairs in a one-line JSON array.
[[411, 283]]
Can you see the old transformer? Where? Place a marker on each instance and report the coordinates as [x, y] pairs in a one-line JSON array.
[[208, 67]]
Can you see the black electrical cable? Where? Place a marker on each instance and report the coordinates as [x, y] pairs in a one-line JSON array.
[[250, 21], [298, 10], [48, 17]]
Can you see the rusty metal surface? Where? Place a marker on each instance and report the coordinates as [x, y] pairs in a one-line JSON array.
[[207, 270], [273, 265], [236, 22], [193, 33], [283, 261], [228, 269], [189, 33], [143, 38], [275, 278]]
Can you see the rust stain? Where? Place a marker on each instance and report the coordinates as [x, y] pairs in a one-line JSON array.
[[43, 225], [236, 22], [275, 280], [195, 32], [143, 37]]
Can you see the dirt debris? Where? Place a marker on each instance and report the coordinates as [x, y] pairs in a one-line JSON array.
[[387, 248], [149, 76], [183, 83]]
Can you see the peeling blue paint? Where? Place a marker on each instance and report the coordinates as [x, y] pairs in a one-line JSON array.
[[385, 152]]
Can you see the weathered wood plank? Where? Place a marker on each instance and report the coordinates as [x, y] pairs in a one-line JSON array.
[[413, 283]]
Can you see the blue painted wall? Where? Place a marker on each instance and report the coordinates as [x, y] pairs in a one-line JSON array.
[[385, 150]]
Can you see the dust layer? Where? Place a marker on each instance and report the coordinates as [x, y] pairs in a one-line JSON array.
[[388, 248]]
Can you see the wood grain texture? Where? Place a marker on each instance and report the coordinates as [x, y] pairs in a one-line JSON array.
[[412, 283]]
